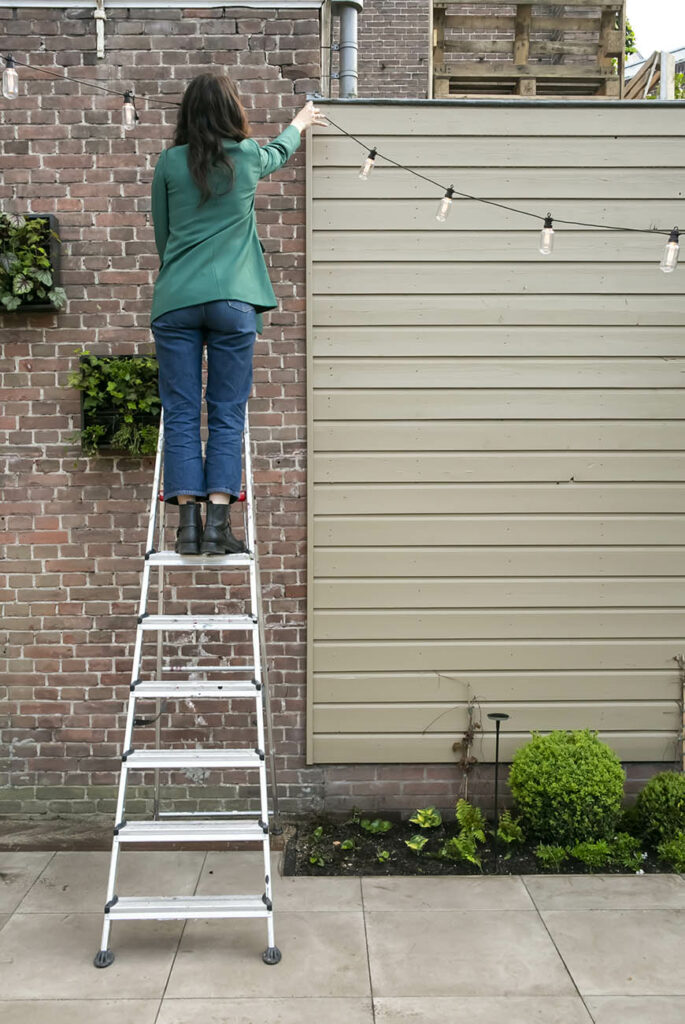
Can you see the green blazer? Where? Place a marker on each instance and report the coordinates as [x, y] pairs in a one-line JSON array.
[[213, 252]]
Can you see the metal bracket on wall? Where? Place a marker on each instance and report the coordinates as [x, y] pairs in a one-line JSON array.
[[100, 16]]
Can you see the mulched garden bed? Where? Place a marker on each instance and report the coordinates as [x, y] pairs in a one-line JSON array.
[[401, 860]]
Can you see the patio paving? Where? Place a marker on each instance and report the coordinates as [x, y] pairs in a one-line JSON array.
[[558, 949]]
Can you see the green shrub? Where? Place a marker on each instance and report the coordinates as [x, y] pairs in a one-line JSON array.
[[672, 851], [660, 807], [595, 855], [626, 851], [568, 787]]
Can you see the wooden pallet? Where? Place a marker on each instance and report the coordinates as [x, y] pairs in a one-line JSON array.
[[543, 49]]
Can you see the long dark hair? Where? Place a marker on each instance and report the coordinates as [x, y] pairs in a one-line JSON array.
[[210, 111]]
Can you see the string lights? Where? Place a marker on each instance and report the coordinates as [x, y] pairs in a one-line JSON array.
[[669, 259]]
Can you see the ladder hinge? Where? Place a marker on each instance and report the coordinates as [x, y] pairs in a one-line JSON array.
[[152, 551], [260, 752], [254, 618], [126, 753], [257, 684], [263, 825], [110, 904], [143, 721], [119, 826], [143, 616], [265, 899], [135, 683]]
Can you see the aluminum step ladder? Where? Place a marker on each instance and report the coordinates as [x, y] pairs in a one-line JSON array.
[[195, 827]]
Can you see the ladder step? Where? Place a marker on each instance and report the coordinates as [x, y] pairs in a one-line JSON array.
[[189, 831], [200, 561], [190, 622], [192, 689], [179, 758], [169, 908]]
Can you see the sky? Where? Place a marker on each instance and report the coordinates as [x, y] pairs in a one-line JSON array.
[[658, 24]]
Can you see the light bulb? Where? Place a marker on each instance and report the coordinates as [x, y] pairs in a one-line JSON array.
[[129, 114], [368, 165], [669, 260], [10, 80], [445, 204], [547, 236]]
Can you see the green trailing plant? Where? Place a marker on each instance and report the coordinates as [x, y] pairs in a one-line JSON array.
[[123, 390], [509, 831], [427, 817], [568, 787], [660, 807], [377, 825], [672, 852], [26, 272], [551, 856]]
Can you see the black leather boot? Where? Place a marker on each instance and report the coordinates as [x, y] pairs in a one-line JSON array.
[[217, 538], [189, 532]]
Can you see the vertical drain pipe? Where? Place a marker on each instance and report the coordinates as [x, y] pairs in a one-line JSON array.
[[348, 11]]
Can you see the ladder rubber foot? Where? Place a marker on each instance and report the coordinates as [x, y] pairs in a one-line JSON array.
[[104, 958], [271, 955]]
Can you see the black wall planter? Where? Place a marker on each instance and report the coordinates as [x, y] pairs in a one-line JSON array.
[[52, 249]]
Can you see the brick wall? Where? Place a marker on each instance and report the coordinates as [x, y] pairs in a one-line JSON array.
[[75, 527]]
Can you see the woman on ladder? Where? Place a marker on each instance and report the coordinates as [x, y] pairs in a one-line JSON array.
[[212, 288]]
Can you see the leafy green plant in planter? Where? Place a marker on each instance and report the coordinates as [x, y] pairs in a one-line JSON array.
[[28, 264], [120, 403]]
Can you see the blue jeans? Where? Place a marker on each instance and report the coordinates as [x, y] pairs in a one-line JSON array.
[[228, 327]]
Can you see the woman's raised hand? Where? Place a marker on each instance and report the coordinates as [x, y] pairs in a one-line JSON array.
[[308, 115]]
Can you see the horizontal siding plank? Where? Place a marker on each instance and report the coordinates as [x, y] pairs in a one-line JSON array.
[[496, 403], [549, 685], [410, 748], [419, 310], [463, 152], [491, 342], [502, 592], [450, 245], [497, 623], [502, 561], [439, 717], [486, 467], [462, 655], [434, 372], [543, 118], [546, 275], [419, 216], [542, 184], [494, 530], [495, 435], [383, 499]]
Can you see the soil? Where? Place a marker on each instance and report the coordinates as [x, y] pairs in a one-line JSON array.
[[362, 859]]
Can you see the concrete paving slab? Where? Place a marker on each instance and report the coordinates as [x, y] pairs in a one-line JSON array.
[[470, 953], [445, 893], [606, 892], [79, 1011], [324, 954], [4, 918], [18, 872], [243, 872], [482, 1010], [76, 882], [267, 1011], [621, 952], [50, 956], [637, 1009]]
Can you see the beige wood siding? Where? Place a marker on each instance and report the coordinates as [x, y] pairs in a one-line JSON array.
[[496, 498]]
